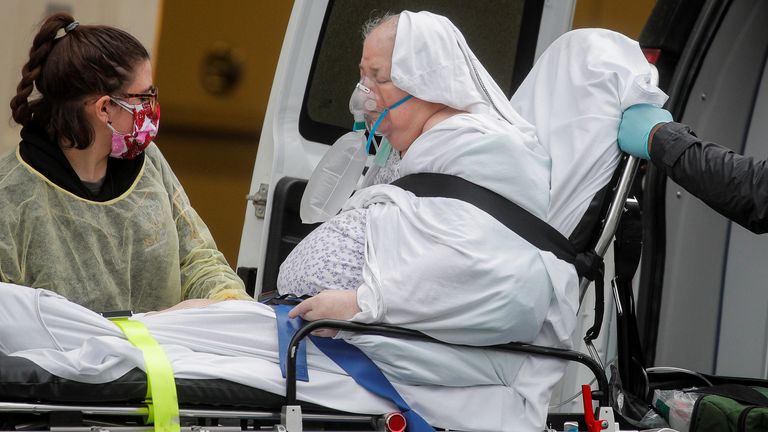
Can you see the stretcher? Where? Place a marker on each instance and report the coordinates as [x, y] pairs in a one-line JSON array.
[[33, 399]]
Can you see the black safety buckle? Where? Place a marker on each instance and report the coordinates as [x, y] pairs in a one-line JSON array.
[[287, 299], [117, 314]]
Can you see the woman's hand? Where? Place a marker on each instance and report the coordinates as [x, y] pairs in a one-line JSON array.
[[328, 304]]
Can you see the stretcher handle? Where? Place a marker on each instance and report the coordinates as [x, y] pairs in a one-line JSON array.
[[602, 395], [613, 216]]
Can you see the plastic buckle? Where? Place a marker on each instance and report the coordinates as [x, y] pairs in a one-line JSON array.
[[290, 418], [116, 314]]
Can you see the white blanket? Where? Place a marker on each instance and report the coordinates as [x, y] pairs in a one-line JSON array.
[[236, 340], [437, 265]]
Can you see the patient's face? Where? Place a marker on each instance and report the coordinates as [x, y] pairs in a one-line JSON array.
[[403, 124]]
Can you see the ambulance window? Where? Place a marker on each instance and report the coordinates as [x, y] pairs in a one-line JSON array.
[[501, 33]]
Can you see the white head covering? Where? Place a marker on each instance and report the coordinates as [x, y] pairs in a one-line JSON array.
[[431, 61], [575, 95]]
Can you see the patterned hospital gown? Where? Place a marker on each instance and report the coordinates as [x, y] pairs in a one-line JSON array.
[[331, 256]]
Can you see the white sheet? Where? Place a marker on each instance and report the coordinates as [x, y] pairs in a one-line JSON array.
[[235, 340], [575, 95]]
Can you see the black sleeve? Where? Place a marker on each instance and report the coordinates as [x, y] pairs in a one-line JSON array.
[[735, 186]]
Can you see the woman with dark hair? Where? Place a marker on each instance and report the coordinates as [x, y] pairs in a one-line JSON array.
[[91, 208]]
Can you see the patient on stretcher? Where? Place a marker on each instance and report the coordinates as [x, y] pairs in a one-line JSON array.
[[436, 265]]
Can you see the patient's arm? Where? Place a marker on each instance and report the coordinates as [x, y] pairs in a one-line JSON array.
[[187, 304]]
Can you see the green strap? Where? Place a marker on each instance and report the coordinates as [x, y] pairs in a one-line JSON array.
[[383, 153], [161, 387]]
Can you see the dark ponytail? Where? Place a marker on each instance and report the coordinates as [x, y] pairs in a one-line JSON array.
[[21, 108], [68, 66]]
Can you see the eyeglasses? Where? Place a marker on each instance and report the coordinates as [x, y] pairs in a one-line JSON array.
[[148, 99]]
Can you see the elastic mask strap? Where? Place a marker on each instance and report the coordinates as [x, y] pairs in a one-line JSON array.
[[123, 104], [161, 387], [358, 126], [381, 117], [115, 131], [128, 107], [383, 153]]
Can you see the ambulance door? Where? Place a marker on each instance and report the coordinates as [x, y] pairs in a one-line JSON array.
[[703, 297]]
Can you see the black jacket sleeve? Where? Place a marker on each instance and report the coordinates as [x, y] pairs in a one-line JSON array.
[[735, 186]]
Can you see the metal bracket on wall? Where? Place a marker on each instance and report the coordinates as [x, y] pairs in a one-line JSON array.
[[259, 200]]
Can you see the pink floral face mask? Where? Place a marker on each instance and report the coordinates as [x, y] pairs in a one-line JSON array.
[[146, 121]]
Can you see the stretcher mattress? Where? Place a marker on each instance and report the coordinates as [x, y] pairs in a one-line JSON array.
[[23, 381]]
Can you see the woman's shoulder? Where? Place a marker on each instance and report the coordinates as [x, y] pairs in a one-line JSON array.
[[155, 162], [17, 185], [157, 168], [8, 159], [12, 172], [154, 155]]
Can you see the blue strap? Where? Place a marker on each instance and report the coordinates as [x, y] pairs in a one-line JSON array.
[[286, 328], [365, 372], [350, 358]]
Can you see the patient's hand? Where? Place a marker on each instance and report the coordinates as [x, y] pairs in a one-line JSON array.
[[329, 304]]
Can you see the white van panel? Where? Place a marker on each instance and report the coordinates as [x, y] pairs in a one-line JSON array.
[[293, 156], [556, 19]]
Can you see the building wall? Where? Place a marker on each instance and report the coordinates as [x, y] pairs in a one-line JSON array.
[[214, 73], [623, 16], [19, 23]]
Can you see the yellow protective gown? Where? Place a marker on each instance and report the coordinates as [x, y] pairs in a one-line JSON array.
[[145, 250]]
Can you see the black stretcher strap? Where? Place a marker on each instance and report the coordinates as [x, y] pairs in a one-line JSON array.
[[627, 247], [521, 221], [540, 234], [514, 217]]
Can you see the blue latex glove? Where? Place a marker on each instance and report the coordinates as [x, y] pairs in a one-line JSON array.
[[636, 124]]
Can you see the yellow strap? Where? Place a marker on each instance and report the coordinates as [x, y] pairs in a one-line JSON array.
[[161, 388]]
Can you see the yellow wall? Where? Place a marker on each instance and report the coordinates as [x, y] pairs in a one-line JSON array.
[[193, 33], [210, 139], [624, 16]]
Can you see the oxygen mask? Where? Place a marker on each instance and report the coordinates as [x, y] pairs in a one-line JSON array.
[[363, 106], [340, 170]]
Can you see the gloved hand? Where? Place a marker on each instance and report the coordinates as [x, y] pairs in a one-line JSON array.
[[636, 125]]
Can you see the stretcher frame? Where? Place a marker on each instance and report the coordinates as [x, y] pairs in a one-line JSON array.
[[602, 395]]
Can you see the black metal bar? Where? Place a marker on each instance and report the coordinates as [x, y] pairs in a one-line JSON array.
[[603, 396]]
